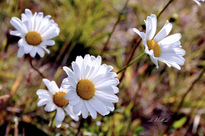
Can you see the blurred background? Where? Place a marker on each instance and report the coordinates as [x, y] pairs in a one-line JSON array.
[[152, 102]]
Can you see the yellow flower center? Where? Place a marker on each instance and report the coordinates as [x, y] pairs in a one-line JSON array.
[[59, 99], [85, 89], [152, 45], [33, 38]]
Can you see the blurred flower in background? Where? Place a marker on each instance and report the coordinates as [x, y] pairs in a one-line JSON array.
[[198, 1]]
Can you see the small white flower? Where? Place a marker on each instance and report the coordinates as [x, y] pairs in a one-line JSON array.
[[54, 99], [198, 2], [161, 47], [36, 32], [92, 86]]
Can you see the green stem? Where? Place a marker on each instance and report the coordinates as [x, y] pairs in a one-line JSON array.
[[170, 1], [36, 69], [131, 62], [53, 120], [114, 27]]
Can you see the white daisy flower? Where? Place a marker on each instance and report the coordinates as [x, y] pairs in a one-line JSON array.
[[198, 2], [92, 86], [161, 47], [54, 99], [36, 32]]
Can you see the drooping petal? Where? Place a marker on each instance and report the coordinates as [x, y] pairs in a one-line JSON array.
[[40, 52], [60, 114], [20, 52]]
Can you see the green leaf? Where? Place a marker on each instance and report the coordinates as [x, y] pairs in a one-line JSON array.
[[179, 123], [139, 130]]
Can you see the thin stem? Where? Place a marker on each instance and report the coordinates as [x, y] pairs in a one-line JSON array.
[[131, 62], [129, 58], [114, 27], [34, 68], [79, 127], [170, 1], [183, 98], [53, 120], [189, 89]]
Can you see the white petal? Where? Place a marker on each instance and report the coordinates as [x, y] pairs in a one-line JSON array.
[[51, 85], [50, 33], [28, 12], [70, 112], [58, 123], [77, 108], [71, 95], [175, 65], [70, 73], [106, 97], [33, 52], [41, 91], [74, 100], [163, 32], [50, 42], [40, 52], [109, 106], [27, 48], [98, 105], [170, 39], [21, 42], [16, 33], [154, 60], [17, 23], [116, 89], [42, 102], [91, 110], [50, 107], [20, 52], [151, 26], [44, 47], [106, 89], [60, 114], [141, 34], [68, 83], [43, 94], [84, 111], [79, 60], [76, 70], [107, 81], [197, 2]]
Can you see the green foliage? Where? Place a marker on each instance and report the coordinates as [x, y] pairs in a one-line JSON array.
[[179, 123]]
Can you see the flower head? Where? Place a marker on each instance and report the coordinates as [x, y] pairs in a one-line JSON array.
[[92, 86], [198, 2], [54, 99], [161, 47], [35, 31]]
